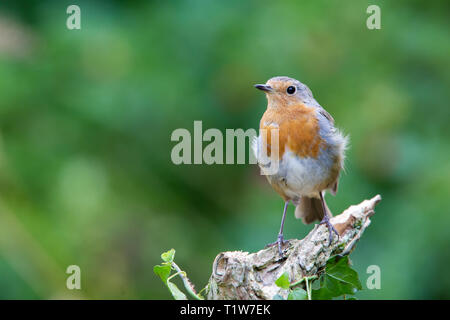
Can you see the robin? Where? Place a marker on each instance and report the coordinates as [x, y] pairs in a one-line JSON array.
[[310, 151]]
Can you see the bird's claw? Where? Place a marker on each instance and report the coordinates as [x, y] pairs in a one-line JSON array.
[[331, 229], [280, 242]]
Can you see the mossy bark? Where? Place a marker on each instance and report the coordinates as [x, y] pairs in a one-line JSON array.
[[251, 276]]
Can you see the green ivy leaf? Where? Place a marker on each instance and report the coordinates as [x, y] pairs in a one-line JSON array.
[[320, 291], [176, 293], [163, 271], [339, 278], [337, 288], [168, 256], [283, 281], [298, 294], [340, 270]]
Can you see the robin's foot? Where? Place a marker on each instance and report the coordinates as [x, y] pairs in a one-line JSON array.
[[280, 242], [331, 229]]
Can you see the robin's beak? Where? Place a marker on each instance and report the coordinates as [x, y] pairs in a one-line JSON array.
[[264, 87]]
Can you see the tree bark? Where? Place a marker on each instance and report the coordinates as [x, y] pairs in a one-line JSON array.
[[251, 276]]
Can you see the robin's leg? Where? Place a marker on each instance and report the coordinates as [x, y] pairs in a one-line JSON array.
[[326, 220], [280, 241]]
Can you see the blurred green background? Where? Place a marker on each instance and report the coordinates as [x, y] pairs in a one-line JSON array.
[[86, 118]]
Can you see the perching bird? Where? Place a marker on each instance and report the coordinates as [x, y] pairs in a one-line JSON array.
[[310, 151]]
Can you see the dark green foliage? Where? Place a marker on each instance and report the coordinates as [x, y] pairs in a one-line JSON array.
[[337, 280]]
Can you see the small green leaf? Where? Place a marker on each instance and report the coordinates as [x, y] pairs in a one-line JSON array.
[[168, 256], [283, 281], [176, 293], [298, 294], [162, 271]]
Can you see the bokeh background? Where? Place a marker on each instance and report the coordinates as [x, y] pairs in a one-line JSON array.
[[86, 118]]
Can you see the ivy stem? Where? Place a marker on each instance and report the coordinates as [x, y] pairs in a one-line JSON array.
[[301, 280], [308, 289], [187, 284]]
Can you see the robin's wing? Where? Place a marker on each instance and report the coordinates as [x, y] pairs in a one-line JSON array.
[[326, 115], [334, 187]]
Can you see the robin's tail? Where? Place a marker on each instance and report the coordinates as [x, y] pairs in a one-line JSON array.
[[310, 210]]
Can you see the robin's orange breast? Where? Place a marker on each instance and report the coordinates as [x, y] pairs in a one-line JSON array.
[[298, 130]]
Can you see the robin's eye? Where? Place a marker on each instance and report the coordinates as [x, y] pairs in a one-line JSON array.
[[291, 90]]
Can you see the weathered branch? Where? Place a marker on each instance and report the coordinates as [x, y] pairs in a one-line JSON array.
[[245, 276]]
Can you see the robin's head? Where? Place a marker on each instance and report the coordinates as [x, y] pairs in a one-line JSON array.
[[285, 91]]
